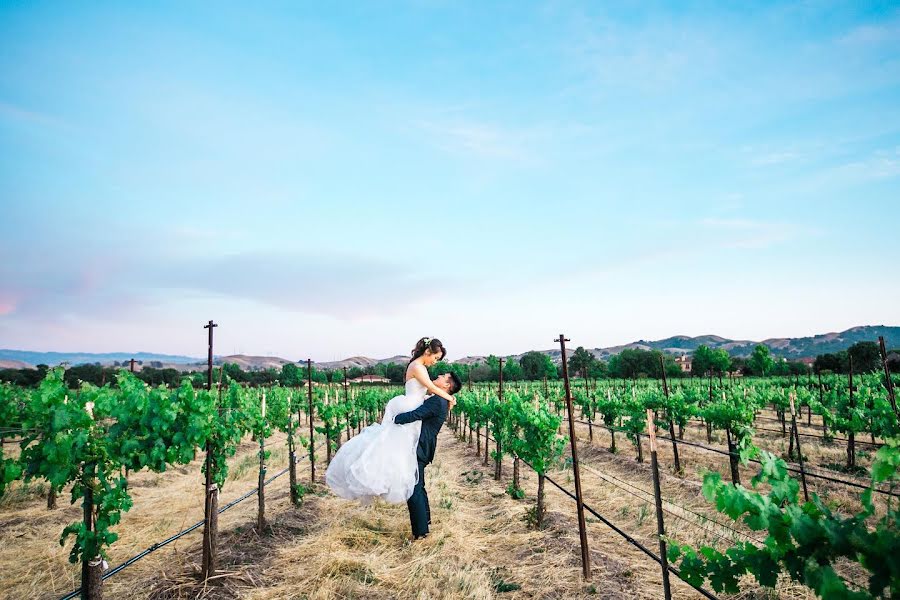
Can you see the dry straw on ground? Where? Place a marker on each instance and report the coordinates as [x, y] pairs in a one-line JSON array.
[[480, 547]]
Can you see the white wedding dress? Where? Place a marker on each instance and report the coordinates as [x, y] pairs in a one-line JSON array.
[[381, 461]]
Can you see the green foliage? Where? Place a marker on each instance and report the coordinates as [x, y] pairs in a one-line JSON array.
[[581, 361], [760, 362], [632, 363], [514, 492], [537, 365], [707, 360], [512, 370], [866, 357], [805, 541]]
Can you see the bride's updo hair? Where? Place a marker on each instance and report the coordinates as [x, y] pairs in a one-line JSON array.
[[424, 344]]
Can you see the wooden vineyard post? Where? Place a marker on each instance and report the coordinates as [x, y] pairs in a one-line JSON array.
[[347, 402], [497, 460], [799, 452], [708, 424], [478, 439], [612, 428], [587, 393], [487, 439], [851, 435], [662, 366], [733, 455], [292, 453], [261, 493], [131, 367], [312, 440], [91, 566], [660, 524], [579, 499], [821, 403], [887, 375], [211, 505]]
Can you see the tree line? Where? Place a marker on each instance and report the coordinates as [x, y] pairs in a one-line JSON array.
[[531, 366]]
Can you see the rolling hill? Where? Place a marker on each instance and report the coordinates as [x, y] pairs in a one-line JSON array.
[[680, 344]]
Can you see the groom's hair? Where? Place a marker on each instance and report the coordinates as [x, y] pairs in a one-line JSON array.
[[456, 384]]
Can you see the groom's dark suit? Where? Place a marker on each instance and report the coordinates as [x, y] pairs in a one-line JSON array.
[[432, 413]]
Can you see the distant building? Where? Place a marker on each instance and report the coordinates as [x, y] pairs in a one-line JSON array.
[[808, 361], [685, 362], [370, 379]]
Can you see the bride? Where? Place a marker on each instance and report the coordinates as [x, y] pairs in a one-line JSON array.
[[381, 461]]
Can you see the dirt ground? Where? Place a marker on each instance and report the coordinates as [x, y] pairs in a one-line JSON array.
[[481, 545]]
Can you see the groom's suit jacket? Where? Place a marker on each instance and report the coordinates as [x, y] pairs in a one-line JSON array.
[[432, 413]]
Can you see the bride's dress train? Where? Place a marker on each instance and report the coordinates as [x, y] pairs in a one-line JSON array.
[[381, 461]]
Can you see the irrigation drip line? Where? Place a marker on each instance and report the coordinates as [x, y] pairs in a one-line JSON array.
[[675, 504], [612, 526], [676, 515], [809, 435], [789, 467], [822, 437], [180, 534]]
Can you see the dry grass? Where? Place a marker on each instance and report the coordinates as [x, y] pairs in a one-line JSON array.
[[34, 565], [480, 545]]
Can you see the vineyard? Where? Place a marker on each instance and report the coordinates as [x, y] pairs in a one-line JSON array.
[[785, 484]]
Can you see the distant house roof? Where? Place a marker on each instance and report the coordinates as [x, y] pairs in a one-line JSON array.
[[370, 379]]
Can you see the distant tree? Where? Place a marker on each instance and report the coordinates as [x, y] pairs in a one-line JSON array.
[[90, 373], [837, 362], [354, 372], [439, 368], [739, 365], [235, 372], [795, 367], [760, 361], [598, 370], [893, 360], [581, 361], [395, 372], [493, 363], [168, 377], [482, 372], [537, 365], [20, 377], [512, 370], [291, 375], [635, 362], [866, 357], [721, 361], [706, 360], [461, 370], [701, 363], [198, 379]]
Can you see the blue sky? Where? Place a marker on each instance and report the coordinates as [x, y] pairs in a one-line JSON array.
[[326, 181]]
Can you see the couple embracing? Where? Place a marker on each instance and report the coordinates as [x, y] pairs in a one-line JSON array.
[[387, 460]]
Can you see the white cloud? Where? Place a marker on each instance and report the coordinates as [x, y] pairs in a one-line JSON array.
[[474, 139]]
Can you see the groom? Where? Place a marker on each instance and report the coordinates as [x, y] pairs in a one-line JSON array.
[[432, 413]]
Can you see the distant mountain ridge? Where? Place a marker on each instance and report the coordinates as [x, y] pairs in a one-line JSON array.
[[790, 348], [77, 358]]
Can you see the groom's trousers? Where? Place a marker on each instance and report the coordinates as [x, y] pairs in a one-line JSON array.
[[419, 510]]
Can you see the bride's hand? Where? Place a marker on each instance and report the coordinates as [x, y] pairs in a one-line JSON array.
[[451, 403]]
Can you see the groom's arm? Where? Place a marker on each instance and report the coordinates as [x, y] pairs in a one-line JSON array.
[[430, 408]]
